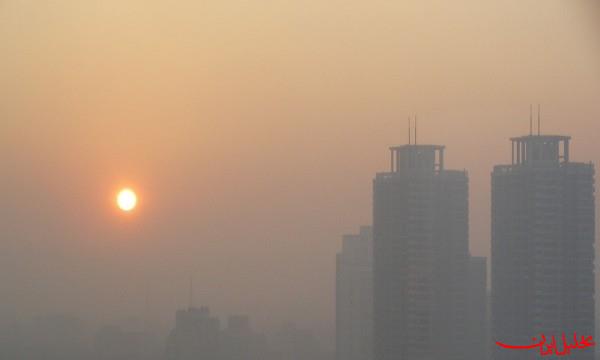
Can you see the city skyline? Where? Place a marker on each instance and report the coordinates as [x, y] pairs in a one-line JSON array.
[[250, 132], [425, 159]]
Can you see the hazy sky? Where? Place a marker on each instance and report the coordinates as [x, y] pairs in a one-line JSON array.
[[252, 131]]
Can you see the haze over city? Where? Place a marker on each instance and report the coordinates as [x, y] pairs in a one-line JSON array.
[[251, 132]]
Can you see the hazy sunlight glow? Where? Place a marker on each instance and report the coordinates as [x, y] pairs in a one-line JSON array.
[[126, 200]]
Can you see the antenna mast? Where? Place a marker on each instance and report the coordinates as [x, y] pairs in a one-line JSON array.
[[539, 118], [409, 130], [191, 299], [415, 129], [530, 119]]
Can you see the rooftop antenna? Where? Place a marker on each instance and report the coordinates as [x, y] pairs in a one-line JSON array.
[[539, 118], [415, 129], [409, 130], [530, 119]]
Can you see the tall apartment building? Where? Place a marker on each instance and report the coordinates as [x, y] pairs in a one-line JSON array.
[[543, 224], [420, 229], [478, 339], [354, 296]]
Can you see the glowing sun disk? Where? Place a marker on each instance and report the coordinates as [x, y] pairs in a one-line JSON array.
[[126, 199]]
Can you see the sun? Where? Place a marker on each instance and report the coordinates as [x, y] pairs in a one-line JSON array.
[[126, 199]]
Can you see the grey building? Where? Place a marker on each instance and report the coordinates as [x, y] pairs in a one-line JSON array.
[[478, 339], [354, 296], [420, 230], [543, 226]]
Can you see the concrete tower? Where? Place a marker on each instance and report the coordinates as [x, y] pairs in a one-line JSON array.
[[421, 257], [543, 226]]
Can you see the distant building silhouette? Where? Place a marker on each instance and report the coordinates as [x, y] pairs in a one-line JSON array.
[[420, 230], [239, 341], [293, 343], [478, 339], [354, 296], [196, 336], [11, 338], [543, 232], [56, 337], [114, 343]]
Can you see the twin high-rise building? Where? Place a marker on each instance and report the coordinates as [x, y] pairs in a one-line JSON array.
[[543, 223], [421, 257], [430, 297]]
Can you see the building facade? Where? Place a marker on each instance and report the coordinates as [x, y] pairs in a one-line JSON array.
[[478, 339], [543, 231], [421, 255], [354, 296]]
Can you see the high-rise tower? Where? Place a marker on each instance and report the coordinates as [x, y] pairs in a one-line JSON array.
[[478, 341], [420, 228], [354, 296], [543, 226]]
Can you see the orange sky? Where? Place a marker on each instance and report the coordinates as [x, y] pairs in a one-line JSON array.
[[252, 130]]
